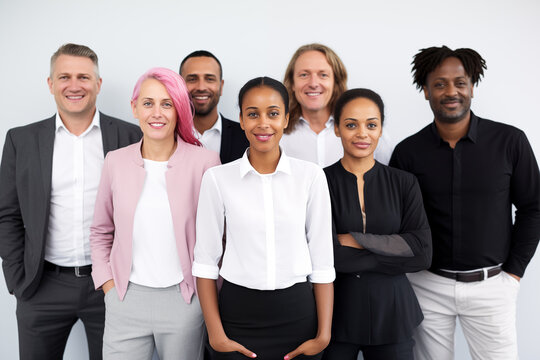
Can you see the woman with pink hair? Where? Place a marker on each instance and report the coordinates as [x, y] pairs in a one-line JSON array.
[[143, 233]]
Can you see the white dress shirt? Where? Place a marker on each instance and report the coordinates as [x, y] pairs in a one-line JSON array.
[[279, 226], [211, 138], [325, 147], [76, 170], [155, 261]]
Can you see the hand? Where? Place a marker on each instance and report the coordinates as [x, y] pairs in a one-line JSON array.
[[514, 276], [348, 240], [309, 348], [227, 345], [107, 286]]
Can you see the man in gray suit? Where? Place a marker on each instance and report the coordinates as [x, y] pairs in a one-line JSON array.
[[49, 177]]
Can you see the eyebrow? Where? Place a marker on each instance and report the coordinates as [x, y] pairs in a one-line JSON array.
[[368, 119]]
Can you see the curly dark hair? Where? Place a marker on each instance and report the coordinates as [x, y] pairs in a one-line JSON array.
[[430, 58]]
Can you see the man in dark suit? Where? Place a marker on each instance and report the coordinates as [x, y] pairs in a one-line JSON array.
[[204, 79], [49, 177]]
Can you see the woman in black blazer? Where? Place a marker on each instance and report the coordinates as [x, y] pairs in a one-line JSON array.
[[381, 233]]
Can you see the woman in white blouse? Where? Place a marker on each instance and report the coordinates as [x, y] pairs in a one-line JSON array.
[[277, 217]]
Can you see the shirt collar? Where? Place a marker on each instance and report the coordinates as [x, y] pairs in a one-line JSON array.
[[472, 133], [217, 127], [327, 124], [284, 165], [59, 124]]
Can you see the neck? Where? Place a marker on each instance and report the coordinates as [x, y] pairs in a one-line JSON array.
[[264, 163], [357, 166], [77, 124], [453, 132], [158, 150], [205, 122], [316, 119]]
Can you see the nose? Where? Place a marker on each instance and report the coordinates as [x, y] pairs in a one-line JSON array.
[[362, 132], [313, 83], [156, 111], [451, 90]]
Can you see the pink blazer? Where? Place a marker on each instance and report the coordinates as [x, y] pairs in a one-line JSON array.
[[120, 187]]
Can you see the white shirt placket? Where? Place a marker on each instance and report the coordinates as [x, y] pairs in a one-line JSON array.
[[78, 198], [270, 232]]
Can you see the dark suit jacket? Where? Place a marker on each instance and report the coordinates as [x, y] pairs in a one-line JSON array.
[[233, 141], [25, 192]]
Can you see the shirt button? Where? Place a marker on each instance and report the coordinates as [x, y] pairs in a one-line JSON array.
[[358, 276]]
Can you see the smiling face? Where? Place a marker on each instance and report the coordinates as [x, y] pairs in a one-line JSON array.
[[263, 118], [155, 110], [449, 91], [313, 82], [204, 83], [359, 128], [75, 85]]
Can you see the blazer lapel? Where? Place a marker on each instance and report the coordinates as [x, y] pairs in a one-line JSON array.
[[109, 133], [46, 148]]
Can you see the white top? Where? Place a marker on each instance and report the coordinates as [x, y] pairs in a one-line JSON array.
[[279, 226], [76, 170], [211, 138], [155, 257], [325, 147]]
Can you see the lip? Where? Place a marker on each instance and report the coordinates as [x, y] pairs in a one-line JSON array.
[[361, 145], [200, 98], [156, 125], [74, 98], [313, 94], [263, 137]]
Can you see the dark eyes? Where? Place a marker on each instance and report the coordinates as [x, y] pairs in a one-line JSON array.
[[371, 126]]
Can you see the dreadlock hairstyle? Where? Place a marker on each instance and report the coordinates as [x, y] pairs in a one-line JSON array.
[[430, 58]]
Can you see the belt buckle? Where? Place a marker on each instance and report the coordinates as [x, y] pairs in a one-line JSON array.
[[78, 274], [485, 272]]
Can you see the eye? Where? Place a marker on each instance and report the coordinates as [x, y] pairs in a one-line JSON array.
[[461, 84], [438, 85], [211, 79], [167, 105], [350, 125], [372, 126], [85, 77], [147, 103], [274, 113], [251, 114], [63, 77], [302, 75], [325, 75]]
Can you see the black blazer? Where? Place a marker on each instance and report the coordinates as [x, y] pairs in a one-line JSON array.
[[374, 302], [233, 141], [25, 192]]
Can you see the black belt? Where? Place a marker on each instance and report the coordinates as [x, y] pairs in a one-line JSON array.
[[468, 276], [78, 271]]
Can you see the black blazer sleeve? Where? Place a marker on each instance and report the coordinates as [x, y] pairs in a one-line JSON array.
[[11, 223]]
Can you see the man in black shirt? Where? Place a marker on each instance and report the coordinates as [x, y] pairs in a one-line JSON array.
[[471, 171]]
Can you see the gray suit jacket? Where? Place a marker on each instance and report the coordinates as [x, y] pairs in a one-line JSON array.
[[25, 191]]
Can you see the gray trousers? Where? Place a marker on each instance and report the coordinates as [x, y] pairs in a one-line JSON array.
[[152, 317]]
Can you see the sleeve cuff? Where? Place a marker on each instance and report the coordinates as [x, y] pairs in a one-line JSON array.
[[322, 276], [205, 271]]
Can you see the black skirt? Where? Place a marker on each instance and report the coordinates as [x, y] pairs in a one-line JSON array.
[[271, 323]]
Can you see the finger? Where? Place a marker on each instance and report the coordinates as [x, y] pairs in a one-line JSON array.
[[293, 353], [242, 350]]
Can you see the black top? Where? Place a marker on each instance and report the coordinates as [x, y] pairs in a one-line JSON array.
[[374, 302], [233, 141], [469, 191]]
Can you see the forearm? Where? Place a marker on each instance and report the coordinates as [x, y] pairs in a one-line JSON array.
[[387, 245], [208, 299], [324, 298]]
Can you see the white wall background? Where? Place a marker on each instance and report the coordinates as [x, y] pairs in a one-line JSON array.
[[375, 39]]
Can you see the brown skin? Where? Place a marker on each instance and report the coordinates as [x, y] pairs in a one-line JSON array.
[[449, 91], [263, 119]]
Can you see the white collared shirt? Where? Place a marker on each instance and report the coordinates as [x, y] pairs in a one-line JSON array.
[[76, 170], [325, 147], [155, 261], [279, 226], [211, 138]]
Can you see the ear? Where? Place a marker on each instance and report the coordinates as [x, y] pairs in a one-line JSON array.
[[336, 130], [241, 121], [426, 92], [50, 83], [221, 87], [472, 91], [99, 85], [134, 109], [286, 121]]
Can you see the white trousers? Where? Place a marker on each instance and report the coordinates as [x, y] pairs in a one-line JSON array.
[[486, 311]]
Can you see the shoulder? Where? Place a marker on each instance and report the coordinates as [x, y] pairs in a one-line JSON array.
[[106, 119], [34, 127], [413, 140], [123, 153], [486, 125], [305, 169], [395, 176]]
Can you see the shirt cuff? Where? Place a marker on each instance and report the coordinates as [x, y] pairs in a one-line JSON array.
[[322, 276], [205, 271]]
